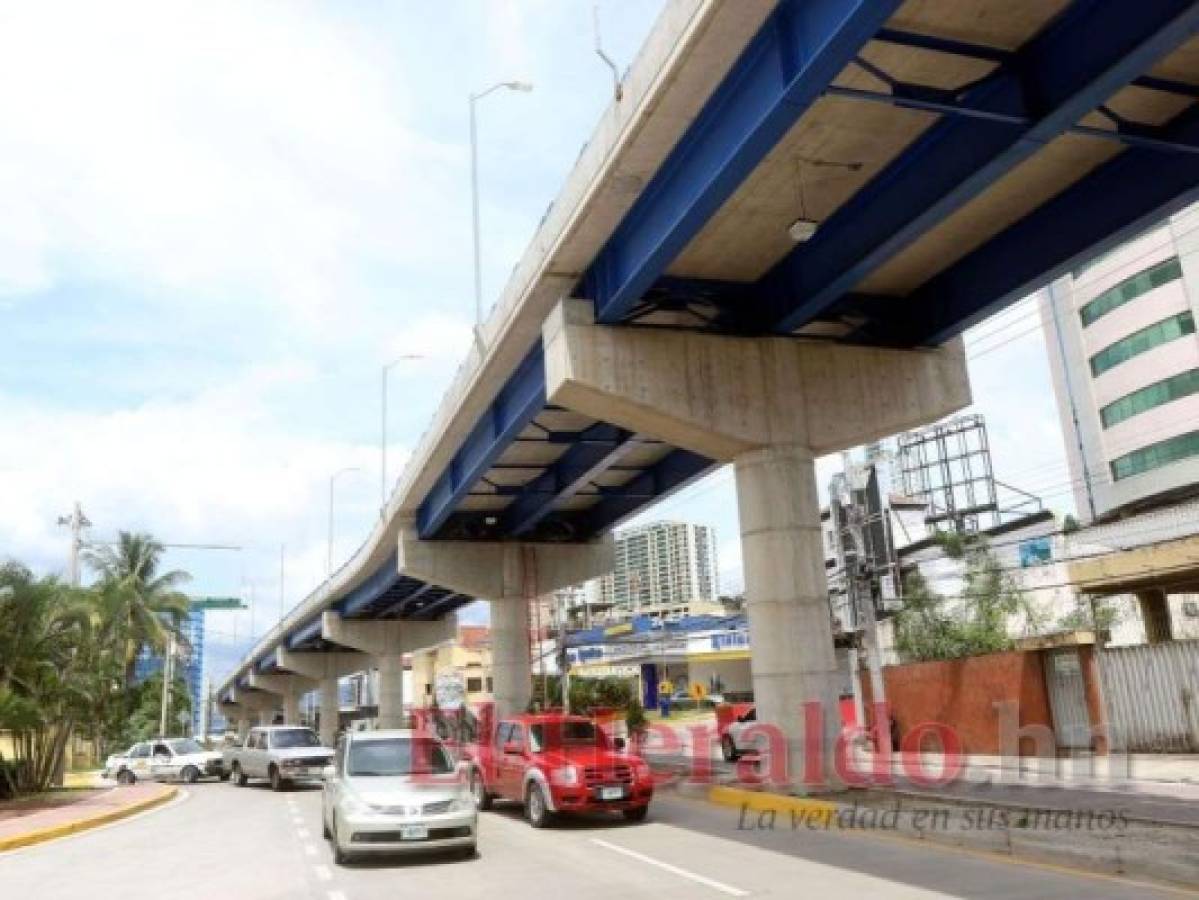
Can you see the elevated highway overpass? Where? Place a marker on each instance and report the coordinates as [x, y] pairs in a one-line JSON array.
[[766, 252]]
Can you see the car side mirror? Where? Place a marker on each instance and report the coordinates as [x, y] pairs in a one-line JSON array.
[[512, 748], [619, 743], [328, 772]]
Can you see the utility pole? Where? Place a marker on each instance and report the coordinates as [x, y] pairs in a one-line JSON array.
[[860, 577], [76, 521]]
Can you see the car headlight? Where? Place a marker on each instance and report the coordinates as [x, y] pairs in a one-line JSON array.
[[461, 804], [565, 775], [642, 771]]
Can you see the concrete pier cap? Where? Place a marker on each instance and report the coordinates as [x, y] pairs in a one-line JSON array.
[[769, 405]]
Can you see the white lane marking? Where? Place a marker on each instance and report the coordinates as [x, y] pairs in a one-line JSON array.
[[682, 873], [310, 850], [303, 833], [322, 873], [336, 895], [182, 797]]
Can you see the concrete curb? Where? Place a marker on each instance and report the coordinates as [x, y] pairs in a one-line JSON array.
[[41, 835], [1160, 853], [800, 808]]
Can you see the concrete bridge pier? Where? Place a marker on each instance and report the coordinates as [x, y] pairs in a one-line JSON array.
[[770, 406], [386, 641], [260, 705], [324, 669], [289, 686], [510, 575]]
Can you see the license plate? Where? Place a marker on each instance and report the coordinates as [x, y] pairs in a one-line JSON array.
[[413, 832], [611, 793]]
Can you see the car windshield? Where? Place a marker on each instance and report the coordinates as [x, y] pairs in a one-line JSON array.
[[559, 734], [184, 745], [294, 737], [398, 756]]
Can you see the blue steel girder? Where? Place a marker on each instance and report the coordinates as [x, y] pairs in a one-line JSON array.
[[784, 70], [375, 586], [1071, 68], [564, 478], [1102, 210], [517, 404], [675, 470]]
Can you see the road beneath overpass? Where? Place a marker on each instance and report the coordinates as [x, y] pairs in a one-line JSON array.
[[220, 841]]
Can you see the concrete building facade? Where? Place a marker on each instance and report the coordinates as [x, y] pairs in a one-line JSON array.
[[663, 570], [1125, 362]]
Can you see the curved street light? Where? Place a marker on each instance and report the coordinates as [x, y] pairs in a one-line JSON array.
[[523, 87], [333, 481]]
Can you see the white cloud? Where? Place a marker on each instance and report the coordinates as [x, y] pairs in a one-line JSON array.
[[237, 153]]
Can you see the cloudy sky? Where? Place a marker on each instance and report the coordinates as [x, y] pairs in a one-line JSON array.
[[218, 219]]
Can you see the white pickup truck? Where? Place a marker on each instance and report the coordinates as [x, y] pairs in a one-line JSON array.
[[282, 754]]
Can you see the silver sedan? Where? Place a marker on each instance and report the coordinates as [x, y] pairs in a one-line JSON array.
[[396, 792]]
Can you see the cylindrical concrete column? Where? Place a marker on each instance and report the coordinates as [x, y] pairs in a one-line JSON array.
[[786, 596], [266, 716], [512, 680], [391, 690], [423, 665], [291, 708], [329, 711]]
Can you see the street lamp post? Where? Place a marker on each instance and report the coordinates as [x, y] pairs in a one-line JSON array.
[[523, 87], [333, 481], [383, 430]]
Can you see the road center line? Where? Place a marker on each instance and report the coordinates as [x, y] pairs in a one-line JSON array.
[[336, 895], [322, 873], [682, 873], [309, 849]]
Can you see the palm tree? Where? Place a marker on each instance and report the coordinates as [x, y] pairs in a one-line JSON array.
[[144, 608]]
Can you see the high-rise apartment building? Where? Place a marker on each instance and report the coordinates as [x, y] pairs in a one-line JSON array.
[[1125, 361], [663, 569]]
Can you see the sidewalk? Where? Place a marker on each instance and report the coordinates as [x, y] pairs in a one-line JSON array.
[[109, 806]]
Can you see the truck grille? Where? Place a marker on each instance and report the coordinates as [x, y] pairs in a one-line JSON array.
[[620, 774]]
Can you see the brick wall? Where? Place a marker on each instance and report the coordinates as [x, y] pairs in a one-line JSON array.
[[962, 694]]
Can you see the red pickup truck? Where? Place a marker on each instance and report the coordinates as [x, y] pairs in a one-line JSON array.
[[554, 763]]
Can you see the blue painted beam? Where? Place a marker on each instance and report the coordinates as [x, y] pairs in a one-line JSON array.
[[670, 473], [1101, 211], [270, 661], [405, 600], [304, 634], [1071, 68], [517, 404], [571, 472], [375, 586], [782, 72]]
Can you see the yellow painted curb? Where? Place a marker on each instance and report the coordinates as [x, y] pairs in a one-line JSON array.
[[813, 812], [41, 835]]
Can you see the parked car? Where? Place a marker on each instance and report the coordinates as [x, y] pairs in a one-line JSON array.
[[732, 736], [555, 763], [282, 754], [162, 759], [396, 792]]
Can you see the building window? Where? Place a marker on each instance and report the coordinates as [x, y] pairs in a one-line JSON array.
[[1145, 399], [474, 685], [1131, 288], [1141, 341], [1156, 455]]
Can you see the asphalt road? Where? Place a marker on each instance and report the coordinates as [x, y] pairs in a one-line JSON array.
[[230, 843]]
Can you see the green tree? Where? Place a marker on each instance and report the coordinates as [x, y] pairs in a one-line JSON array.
[[46, 639], [142, 607], [934, 627]]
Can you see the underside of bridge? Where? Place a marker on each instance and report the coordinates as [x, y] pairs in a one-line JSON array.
[[768, 257]]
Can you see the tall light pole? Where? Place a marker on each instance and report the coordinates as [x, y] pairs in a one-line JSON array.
[[333, 481], [524, 87], [76, 521], [383, 430]]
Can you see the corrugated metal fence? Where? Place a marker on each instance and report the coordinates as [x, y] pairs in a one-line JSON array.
[[1152, 696]]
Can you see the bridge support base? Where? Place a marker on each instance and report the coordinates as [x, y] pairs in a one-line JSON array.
[[769, 405]]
